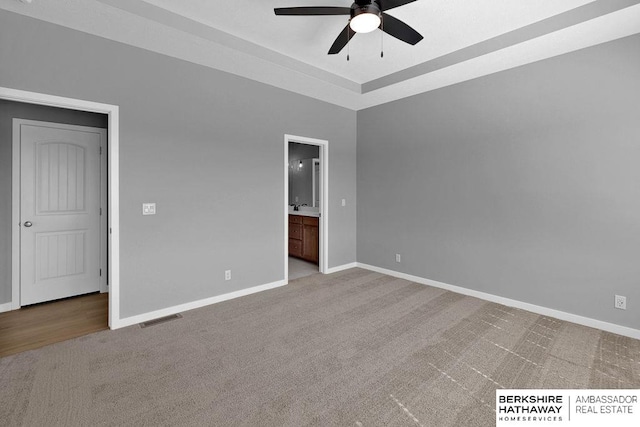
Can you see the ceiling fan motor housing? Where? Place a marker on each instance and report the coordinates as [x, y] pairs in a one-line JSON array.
[[365, 6]]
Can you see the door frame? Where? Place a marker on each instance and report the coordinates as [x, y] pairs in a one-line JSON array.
[[314, 162], [16, 189], [113, 190], [324, 203]]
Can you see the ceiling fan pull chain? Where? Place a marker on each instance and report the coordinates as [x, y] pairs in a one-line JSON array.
[[382, 37], [348, 43]]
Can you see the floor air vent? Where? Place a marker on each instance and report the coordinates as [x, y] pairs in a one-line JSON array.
[[160, 320]]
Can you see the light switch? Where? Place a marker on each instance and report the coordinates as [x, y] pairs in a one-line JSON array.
[[148, 209], [344, 202]]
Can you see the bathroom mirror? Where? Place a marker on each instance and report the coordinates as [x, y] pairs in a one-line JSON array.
[[304, 167]]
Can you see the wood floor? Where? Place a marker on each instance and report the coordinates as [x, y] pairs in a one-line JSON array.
[[47, 323]]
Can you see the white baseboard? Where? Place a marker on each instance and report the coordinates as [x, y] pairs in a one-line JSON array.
[[6, 307], [133, 320], [341, 267], [574, 318]]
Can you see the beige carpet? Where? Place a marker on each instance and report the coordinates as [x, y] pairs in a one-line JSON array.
[[355, 348]]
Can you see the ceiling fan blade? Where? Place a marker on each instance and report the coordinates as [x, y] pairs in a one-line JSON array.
[[341, 41], [390, 4], [398, 29], [293, 11]]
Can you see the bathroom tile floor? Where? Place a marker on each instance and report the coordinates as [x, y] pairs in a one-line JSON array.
[[300, 268]]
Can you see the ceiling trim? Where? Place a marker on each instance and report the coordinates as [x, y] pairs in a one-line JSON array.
[[198, 29], [607, 28], [143, 25], [552, 24], [546, 26]]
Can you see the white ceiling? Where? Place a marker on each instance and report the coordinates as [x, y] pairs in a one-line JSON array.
[[462, 39], [447, 25]]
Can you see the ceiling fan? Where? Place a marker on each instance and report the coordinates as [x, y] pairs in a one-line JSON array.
[[364, 17]]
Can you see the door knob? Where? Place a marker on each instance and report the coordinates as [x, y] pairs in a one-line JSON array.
[[28, 224]]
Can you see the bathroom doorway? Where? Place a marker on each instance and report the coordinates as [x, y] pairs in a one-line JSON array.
[[306, 216]]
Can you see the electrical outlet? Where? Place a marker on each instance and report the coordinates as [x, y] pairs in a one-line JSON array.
[[344, 202], [620, 302], [398, 258], [227, 275]]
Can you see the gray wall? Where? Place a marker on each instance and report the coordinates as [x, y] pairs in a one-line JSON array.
[[206, 146], [8, 111], [523, 184]]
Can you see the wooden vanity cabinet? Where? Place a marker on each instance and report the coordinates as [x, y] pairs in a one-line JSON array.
[[304, 237], [310, 242], [295, 236]]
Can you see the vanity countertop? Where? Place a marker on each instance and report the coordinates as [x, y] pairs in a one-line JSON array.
[[304, 213]]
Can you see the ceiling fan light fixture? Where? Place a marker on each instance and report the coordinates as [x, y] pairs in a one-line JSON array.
[[364, 16], [365, 19]]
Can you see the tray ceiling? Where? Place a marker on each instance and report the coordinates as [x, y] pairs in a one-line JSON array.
[[462, 39]]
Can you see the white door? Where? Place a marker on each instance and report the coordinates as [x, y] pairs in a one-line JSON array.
[[60, 210]]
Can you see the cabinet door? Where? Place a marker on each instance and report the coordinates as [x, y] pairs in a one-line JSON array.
[[295, 231], [295, 248], [310, 243]]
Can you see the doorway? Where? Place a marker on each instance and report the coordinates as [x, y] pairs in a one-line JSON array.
[[311, 213], [111, 217]]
